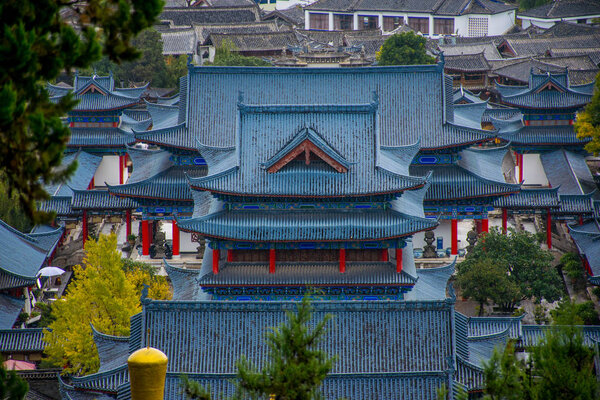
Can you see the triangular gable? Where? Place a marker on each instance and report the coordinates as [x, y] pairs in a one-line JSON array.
[[92, 87], [550, 85], [309, 144]]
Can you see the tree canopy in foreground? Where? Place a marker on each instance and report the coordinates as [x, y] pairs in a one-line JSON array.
[[37, 43], [587, 123], [508, 268], [105, 292], [406, 48]]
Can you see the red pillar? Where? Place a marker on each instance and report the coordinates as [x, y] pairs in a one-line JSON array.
[[549, 229], [384, 255], [92, 184], [504, 221], [485, 225], [342, 260], [216, 255], [229, 255], [121, 170], [580, 219], [454, 237], [145, 238], [128, 222], [520, 162], [84, 228], [271, 261], [175, 238], [398, 259]]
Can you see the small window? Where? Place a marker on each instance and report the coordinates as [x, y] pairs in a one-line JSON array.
[[391, 23], [419, 24]]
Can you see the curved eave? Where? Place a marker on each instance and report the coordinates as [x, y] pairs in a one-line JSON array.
[[162, 144], [460, 145], [475, 197], [398, 191]]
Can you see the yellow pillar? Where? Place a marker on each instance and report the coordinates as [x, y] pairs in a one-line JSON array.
[[147, 373]]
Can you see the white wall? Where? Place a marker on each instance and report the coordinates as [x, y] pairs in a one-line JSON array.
[[185, 238], [533, 171], [499, 23], [108, 171]]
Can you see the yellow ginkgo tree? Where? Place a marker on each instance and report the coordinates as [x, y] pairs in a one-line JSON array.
[[587, 124], [101, 294]]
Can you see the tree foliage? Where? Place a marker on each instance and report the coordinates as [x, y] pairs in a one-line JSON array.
[[406, 48], [587, 123], [560, 367], [571, 313], [528, 270], [528, 4], [227, 55], [152, 66], [102, 294], [12, 387], [11, 211], [36, 44]]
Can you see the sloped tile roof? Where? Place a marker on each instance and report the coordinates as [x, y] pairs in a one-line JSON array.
[[471, 62], [99, 137], [179, 42], [587, 240], [112, 350], [437, 7], [22, 340], [564, 9], [568, 171], [9, 310], [544, 135], [530, 198], [209, 15], [267, 41]]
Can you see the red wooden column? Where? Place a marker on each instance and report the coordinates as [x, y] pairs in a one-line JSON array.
[[549, 229], [145, 238], [229, 255], [128, 222], [504, 221], [454, 237], [398, 259], [384, 255], [520, 163], [84, 228], [342, 260], [216, 255], [485, 225], [580, 219], [271, 261], [175, 238], [121, 170]]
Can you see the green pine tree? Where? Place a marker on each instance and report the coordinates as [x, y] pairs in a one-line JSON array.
[[11, 386], [587, 124], [37, 43]]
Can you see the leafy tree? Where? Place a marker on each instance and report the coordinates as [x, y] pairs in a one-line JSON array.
[[36, 44], [571, 264], [563, 367], [571, 313], [295, 370], [406, 48], [587, 123], [226, 55], [528, 4], [527, 266], [12, 387], [11, 211], [151, 67], [483, 279], [141, 274], [504, 376], [102, 294]]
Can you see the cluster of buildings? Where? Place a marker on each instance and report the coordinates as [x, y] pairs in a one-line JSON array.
[[284, 180]]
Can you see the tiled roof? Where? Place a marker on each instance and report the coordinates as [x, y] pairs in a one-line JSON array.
[[163, 115], [179, 41], [576, 204], [533, 334], [451, 183], [21, 340], [112, 350], [308, 225], [100, 200], [293, 15], [269, 41], [467, 63], [482, 347], [99, 137], [177, 136], [483, 326], [520, 71], [485, 162], [543, 135], [184, 282], [530, 198], [23, 254], [9, 310], [587, 240], [100, 102], [414, 386], [265, 131], [367, 337], [432, 282], [131, 124], [568, 171], [526, 46], [564, 9], [209, 15], [490, 51], [60, 205], [307, 274], [105, 381], [203, 31], [214, 94], [535, 96], [87, 164]]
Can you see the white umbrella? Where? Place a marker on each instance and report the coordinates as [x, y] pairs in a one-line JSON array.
[[51, 271]]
